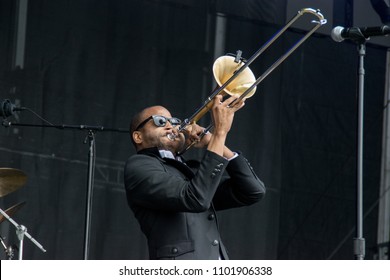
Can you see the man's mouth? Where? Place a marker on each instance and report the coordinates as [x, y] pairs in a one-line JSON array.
[[171, 136]]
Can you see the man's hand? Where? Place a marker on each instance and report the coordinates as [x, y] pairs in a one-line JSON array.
[[193, 134], [222, 114]]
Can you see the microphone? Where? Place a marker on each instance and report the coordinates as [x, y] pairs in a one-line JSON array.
[[8, 109], [340, 33]]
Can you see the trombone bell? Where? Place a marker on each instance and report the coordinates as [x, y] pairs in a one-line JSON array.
[[225, 67]]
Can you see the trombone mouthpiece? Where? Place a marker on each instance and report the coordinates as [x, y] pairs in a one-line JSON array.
[[171, 136]]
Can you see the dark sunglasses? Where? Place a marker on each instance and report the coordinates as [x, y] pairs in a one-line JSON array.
[[159, 121]]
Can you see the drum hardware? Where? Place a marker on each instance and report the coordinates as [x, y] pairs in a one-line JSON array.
[[10, 251], [10, 180]]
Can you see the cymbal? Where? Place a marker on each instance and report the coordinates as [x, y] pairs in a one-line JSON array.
[[12, 210], [10, 180]]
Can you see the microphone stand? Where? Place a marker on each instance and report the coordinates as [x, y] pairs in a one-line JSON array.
[[91, 167], [359, 241]]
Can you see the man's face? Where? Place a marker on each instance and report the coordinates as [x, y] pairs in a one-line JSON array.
[[151, 135]]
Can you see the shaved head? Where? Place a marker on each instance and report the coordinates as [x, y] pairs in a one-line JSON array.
[[150, 135]]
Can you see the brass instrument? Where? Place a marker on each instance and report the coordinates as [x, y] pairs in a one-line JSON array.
[[233, 75]]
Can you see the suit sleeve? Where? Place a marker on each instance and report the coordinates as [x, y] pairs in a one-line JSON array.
[[241, 188], [148, 184]]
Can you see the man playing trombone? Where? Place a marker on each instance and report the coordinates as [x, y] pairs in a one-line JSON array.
[[174, 201]]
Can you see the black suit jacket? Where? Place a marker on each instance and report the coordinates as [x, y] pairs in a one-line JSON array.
[[175, 203]]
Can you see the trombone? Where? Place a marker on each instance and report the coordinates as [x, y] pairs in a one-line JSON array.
[[233, 75]]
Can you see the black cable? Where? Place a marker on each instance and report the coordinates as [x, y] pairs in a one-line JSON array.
[[37, 115]]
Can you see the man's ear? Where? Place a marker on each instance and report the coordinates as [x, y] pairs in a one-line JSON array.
[[137, 137]]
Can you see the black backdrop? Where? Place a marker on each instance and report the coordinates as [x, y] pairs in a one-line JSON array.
[[97, 62]]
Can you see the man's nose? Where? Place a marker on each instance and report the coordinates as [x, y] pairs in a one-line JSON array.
[[168, 124]]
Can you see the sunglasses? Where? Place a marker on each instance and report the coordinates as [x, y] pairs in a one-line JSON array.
[[159, 121]]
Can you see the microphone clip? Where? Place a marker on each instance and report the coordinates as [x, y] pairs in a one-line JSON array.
[[355, 34]]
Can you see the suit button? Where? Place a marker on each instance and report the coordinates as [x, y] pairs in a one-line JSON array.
[[215, 243], [175, 250], [211, 217]]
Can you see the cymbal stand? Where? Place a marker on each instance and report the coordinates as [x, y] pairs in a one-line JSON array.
[[21, 232], [90, 139]]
